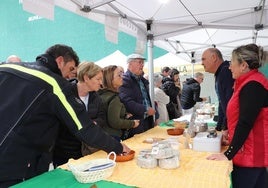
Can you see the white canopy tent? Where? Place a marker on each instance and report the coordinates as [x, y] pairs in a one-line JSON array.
[[173, 61], [170, 60], [184, 27], [181, 26], [226, 40], [116, 58]]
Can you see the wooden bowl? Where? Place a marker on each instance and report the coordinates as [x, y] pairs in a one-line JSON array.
[[175, 131], [124, 157]]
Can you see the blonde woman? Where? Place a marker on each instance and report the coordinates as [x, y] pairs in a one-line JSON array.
[[89, 76], [118, 120], [89, 80]]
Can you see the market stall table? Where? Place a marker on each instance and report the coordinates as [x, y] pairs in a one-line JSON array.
[[194, 170]]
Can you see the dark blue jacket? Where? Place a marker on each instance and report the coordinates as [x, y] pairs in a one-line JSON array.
[[35, 100], [224, 88], [131, 96]]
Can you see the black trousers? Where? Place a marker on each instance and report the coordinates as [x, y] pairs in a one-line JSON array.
[[247, 177]]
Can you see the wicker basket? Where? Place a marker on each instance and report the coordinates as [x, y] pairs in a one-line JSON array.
[[93, 170]]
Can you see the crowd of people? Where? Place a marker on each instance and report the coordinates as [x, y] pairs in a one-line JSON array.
[[72, 109]]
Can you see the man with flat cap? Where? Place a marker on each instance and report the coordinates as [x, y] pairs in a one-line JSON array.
[[134, 94]]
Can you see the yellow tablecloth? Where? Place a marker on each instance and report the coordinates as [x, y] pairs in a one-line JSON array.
[[194, 171]]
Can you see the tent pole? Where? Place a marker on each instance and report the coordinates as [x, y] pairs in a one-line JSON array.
[[193, 62], [192, 69], [150, 44], [151, 70]]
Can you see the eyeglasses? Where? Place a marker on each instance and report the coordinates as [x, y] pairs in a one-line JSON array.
[[139, 61]]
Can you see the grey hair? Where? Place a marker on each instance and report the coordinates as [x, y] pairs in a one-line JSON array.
[[157, 78], [198, 74], [252, 54]]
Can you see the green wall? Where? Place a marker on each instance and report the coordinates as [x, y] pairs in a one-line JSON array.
[[28, 39]]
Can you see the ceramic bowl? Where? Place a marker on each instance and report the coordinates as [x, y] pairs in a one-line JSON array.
[[175, 131], [124, 157]]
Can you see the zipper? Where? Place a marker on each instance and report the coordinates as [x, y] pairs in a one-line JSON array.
[[21, 117]]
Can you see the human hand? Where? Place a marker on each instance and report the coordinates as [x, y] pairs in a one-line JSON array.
[[128, 115], [150, 111], [126, 149], [204, 99], [225, 139], [177, 83], [136, 123], [217, 157], [156, 122]]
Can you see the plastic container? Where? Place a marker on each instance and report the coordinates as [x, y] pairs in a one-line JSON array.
[[146, 160], [169, 163], [202, 142]]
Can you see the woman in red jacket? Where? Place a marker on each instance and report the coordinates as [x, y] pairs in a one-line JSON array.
[[247, 119]]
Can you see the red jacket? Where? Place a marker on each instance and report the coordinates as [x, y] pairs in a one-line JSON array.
[[254, 152]]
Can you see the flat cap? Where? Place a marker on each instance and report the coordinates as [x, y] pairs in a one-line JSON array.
[[134, 56]]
